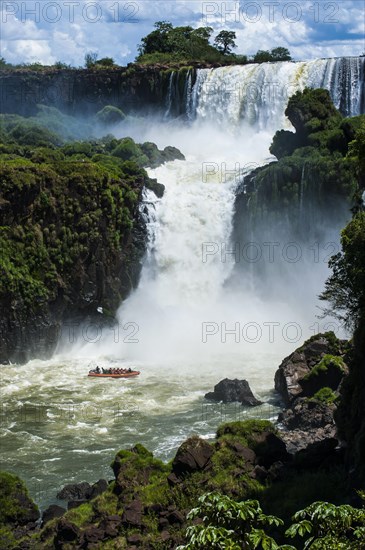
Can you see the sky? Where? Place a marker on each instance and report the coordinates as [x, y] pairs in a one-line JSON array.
[[48, 31]]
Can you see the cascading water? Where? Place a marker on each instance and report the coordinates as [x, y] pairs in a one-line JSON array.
[[187, 325]]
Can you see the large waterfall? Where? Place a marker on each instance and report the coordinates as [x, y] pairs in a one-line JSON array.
[[193, 319], [187, 276]]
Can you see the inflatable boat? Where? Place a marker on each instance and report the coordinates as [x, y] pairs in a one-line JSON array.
[[127, 374]]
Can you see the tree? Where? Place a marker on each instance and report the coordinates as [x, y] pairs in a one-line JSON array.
[[345, 288], [262, 56], [90, 59], [280, 54], [225, 41], [276, 54], [105, 62], [157, 40]]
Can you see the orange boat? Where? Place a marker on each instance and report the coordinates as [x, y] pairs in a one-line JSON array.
[[127, 374]]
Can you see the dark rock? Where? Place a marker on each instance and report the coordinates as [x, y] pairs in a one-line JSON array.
[[163, 523], [156, 187], [165, 536], [290, 376], [247, 454], [233, 390], [97, 489], [74, 491], [52, 512], [260, 473], [175, 517], [315, 454], [136, 538], [111, 525], [93, 535], [66, 532], [132, 515], [269, 448], [278, 471], [154, 509], [193, 455], [173, 480], [307, 415]]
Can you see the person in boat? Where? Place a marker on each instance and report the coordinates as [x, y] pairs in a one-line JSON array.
[[97, 370], [129, 370]]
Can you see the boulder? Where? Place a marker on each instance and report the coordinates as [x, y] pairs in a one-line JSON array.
[[193, 455], [66, 533], [52, 512], [132, 515], [269, 448], [291, 378], [74, 491], [229, 391]]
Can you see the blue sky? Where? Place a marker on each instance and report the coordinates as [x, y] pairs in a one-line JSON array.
[[65, 30]]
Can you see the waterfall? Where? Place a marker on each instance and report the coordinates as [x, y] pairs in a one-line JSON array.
[[191, 261], [258, 94]]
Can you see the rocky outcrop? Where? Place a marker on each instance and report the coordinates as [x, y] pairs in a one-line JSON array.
[[229, 391], [192, 456], [308, 382], [307, 423], [303, 374]]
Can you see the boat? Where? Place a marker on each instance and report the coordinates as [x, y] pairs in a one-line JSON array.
[[127, 374]]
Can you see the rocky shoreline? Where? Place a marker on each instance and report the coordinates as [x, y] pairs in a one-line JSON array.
[[146, 504]]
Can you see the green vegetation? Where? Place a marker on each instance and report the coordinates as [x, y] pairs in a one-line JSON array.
[[168, 44], [234, 525], [324, 364], [15, 503], [325, 395], [276, 54], [110, 115], [66, 207]]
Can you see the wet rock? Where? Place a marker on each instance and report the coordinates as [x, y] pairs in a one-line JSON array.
[[193, 455], [173, 480], [52, 512], [229, 391]]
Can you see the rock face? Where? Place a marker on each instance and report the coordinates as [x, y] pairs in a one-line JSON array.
[[85, 92], [307, 424], [233, 390], [293, 378]]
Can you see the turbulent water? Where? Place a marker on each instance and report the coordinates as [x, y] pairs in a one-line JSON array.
[[188, 325]]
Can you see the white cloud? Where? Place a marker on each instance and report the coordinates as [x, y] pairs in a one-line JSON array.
[[115, 35]]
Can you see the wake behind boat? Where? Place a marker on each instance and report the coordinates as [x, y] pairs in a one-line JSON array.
[[113, 373]]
